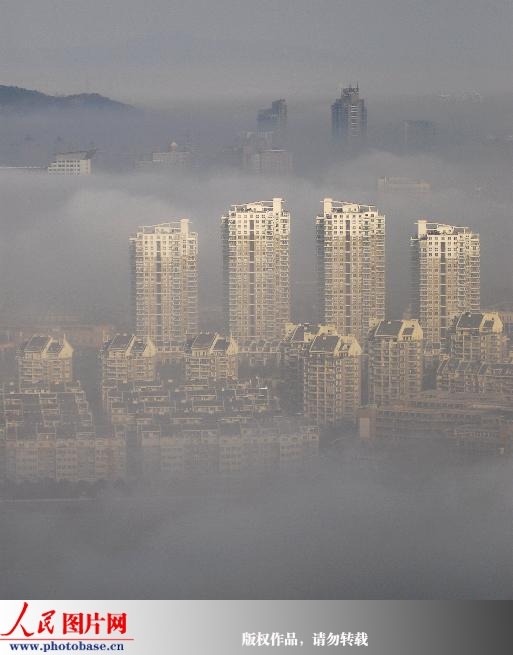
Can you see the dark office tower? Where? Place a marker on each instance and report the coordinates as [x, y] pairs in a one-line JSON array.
[[349, 118], [418, 135], [273, 118]]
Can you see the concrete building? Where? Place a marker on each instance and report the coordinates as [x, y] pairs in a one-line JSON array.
[[256, 284], [445, 277], [293, 349], [210, 356], [49, 435], [213, 447], [72, 163], [273, 162], [127, 358], [349, 118], [395, 361], [469, 422], [44, 361], [350, 267], [491, 379], [164, 267], [332, 379], [478, 336], [178, 158]]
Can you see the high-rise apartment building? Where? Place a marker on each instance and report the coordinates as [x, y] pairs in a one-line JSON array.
[[395, 350], [332, 379], [351, 267], [44, 361], [255, 241], [445, 277], [164, 270], [349, 118]]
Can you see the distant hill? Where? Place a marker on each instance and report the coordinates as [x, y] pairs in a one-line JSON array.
[[16, 99]]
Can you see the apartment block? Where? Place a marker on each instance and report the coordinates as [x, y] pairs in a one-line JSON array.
[[256, 262], [164, 267], [127, 358], [44, 361], [210, 356], [395, 361], [445, 276], [293, 349], [332, 379], [478, 336], [350, 242]]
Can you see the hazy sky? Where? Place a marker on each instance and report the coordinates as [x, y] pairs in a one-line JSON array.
[[159, 51]]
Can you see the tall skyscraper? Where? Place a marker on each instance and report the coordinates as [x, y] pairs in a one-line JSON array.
[[445, 277], [349, 118], [351, 267], [255, 240], [165, 282]]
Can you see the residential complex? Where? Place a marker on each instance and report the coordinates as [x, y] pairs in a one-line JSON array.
[[256, 283], [350, 242], [164, 268]]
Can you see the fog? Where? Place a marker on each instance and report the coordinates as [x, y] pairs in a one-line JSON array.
[[160, 50], [394, 527], [65, 245]]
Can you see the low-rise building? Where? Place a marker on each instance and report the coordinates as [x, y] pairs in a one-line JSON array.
[[478, 336], [44, 361], [210, 356]]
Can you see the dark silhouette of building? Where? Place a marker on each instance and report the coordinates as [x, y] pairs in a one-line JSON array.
[[349, 118]]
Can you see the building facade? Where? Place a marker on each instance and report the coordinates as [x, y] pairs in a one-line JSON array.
[[478, 336], [332, 379], [164, 267], [44, 361], [127, 358], [256, 278], [445, 276], [72, 163], [210, 356], [395, 365], [350, 267]]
